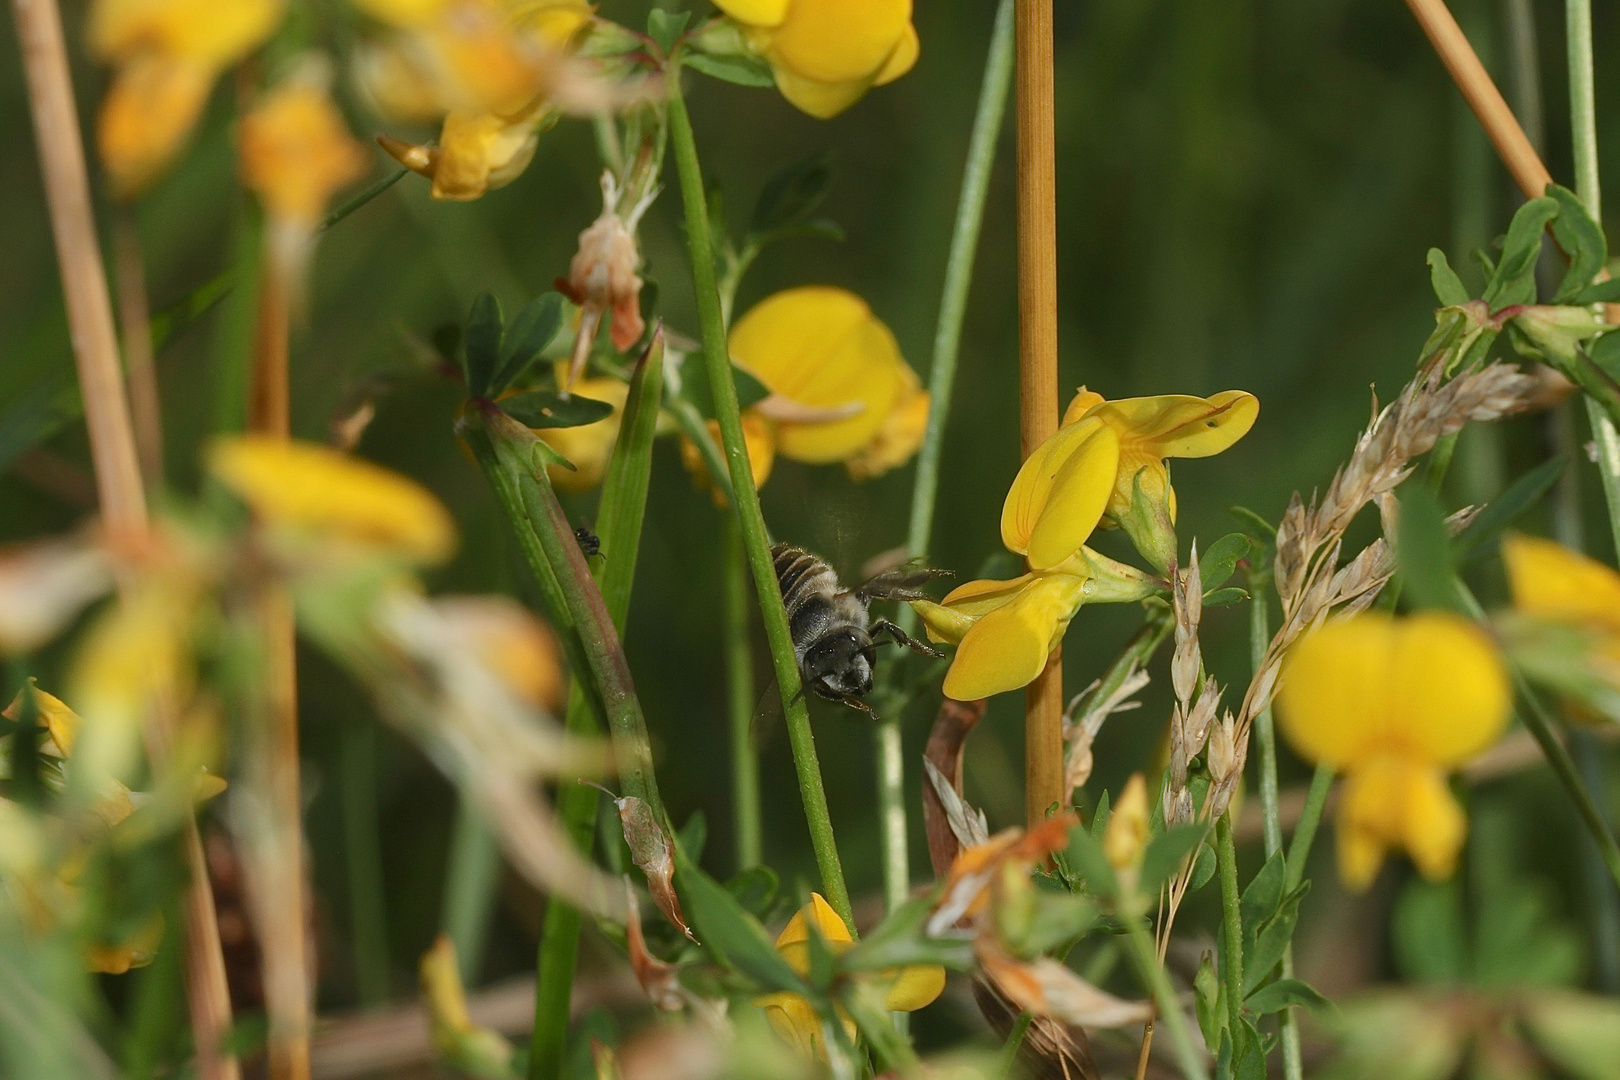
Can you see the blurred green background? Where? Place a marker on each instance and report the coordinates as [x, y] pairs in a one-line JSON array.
[[1246, 192]]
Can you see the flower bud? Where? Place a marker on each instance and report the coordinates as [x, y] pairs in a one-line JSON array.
[[1126, 836], [603, 275]]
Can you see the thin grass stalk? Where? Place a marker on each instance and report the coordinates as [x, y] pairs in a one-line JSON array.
[[471, 877], [745, 502], [1151, 971], [740, 695], [112, 449], [1231, 921], [981, 158], [140, 369], [1037, 356], [368, 903]]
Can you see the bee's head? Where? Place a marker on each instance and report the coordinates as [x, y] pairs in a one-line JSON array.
[[839, 664]]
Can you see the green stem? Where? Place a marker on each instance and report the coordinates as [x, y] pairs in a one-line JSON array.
[[1007, 1059], [959, 276], [1157, 982], [1542, 726], [1299, 851], [368, 904], [1583, 103], [1231, 920], [745, 502], [471, 879], [740, 699]]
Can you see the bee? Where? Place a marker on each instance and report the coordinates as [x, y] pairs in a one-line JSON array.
[[834, 637]]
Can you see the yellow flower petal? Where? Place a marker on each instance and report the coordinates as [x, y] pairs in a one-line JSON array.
[[1392, 803], [1552, 582], [901, 434], [822, 100], [915, 987], [1429, 689], [311, 487], [826, 920], [839, 40], [1084, 401], [941, 623], [296, 152], [1175, 425], [1060, 493], [587, 447], [153, 104], [205, 31], [1008, 646], [755, 12], [822, 347], [903, 59]]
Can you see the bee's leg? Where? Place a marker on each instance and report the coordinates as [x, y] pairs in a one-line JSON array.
[[900, 637], [856, 703]]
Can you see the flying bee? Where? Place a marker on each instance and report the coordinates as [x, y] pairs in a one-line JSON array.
[[834, 637]]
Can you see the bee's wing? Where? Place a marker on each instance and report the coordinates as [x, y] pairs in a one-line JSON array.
[[767, 715], [904, 582]]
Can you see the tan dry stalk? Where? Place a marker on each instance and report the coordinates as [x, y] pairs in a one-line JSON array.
[[145, 403], [1037, 354], [1482, 96], [112, 450]]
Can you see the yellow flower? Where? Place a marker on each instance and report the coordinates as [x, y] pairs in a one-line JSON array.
[[1006, 629], [825, 54], [1395, 703], [589, 446], [486, 66], [1552, 583], [312, 489], [167, 54], [823, 350], [759, 436], [793, 1017], [1151, 430], [296, 152]]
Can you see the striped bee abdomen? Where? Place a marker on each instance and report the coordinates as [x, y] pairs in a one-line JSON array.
[[814, 599]]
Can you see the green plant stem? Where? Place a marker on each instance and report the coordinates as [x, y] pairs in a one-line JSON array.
[[1544, 729], [745, 502], [1299, 850], [362, 836], [471, 877], [1007, 1059], [740, 699], [1157, 982], [1231, 920], [154, 1014]]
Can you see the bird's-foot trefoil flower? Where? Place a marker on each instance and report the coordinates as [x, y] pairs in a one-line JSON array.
[[603, 276], [1004, 630], [1151, 430], [1395, 703], [166, 55], [1565, 626], [826, 54], [795, 1019]]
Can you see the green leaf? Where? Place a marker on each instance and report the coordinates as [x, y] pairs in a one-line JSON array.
[[1265, 531], [50, 401], [1501, 511], [1165, 852], [549, 409], [728, 932], [1513, 280], [742, 69], [756, 890], [750, 391], [815, 228], [1600, 292], [482, 344], [623, 507], [1262, 896], [1271, 939], [1520, 940], [1277, 996], [1203, 868], [1448, 287], [531, 330], [1424, 550], [1218, 561], [1059, 919], [1427, 933], [665, 27], [792, 195], [1207, 1002], [1579, 1032], [1099, 817], [1582, 240], [1086, 854], [694, 834], [1225, 597], [1249, 1056]]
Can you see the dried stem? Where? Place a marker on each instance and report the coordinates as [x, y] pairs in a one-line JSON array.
[[112, 449], [1037, 355], [145, 403], [1482, 96]]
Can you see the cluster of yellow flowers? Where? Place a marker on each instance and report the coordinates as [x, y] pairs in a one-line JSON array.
[[1105, 467]]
